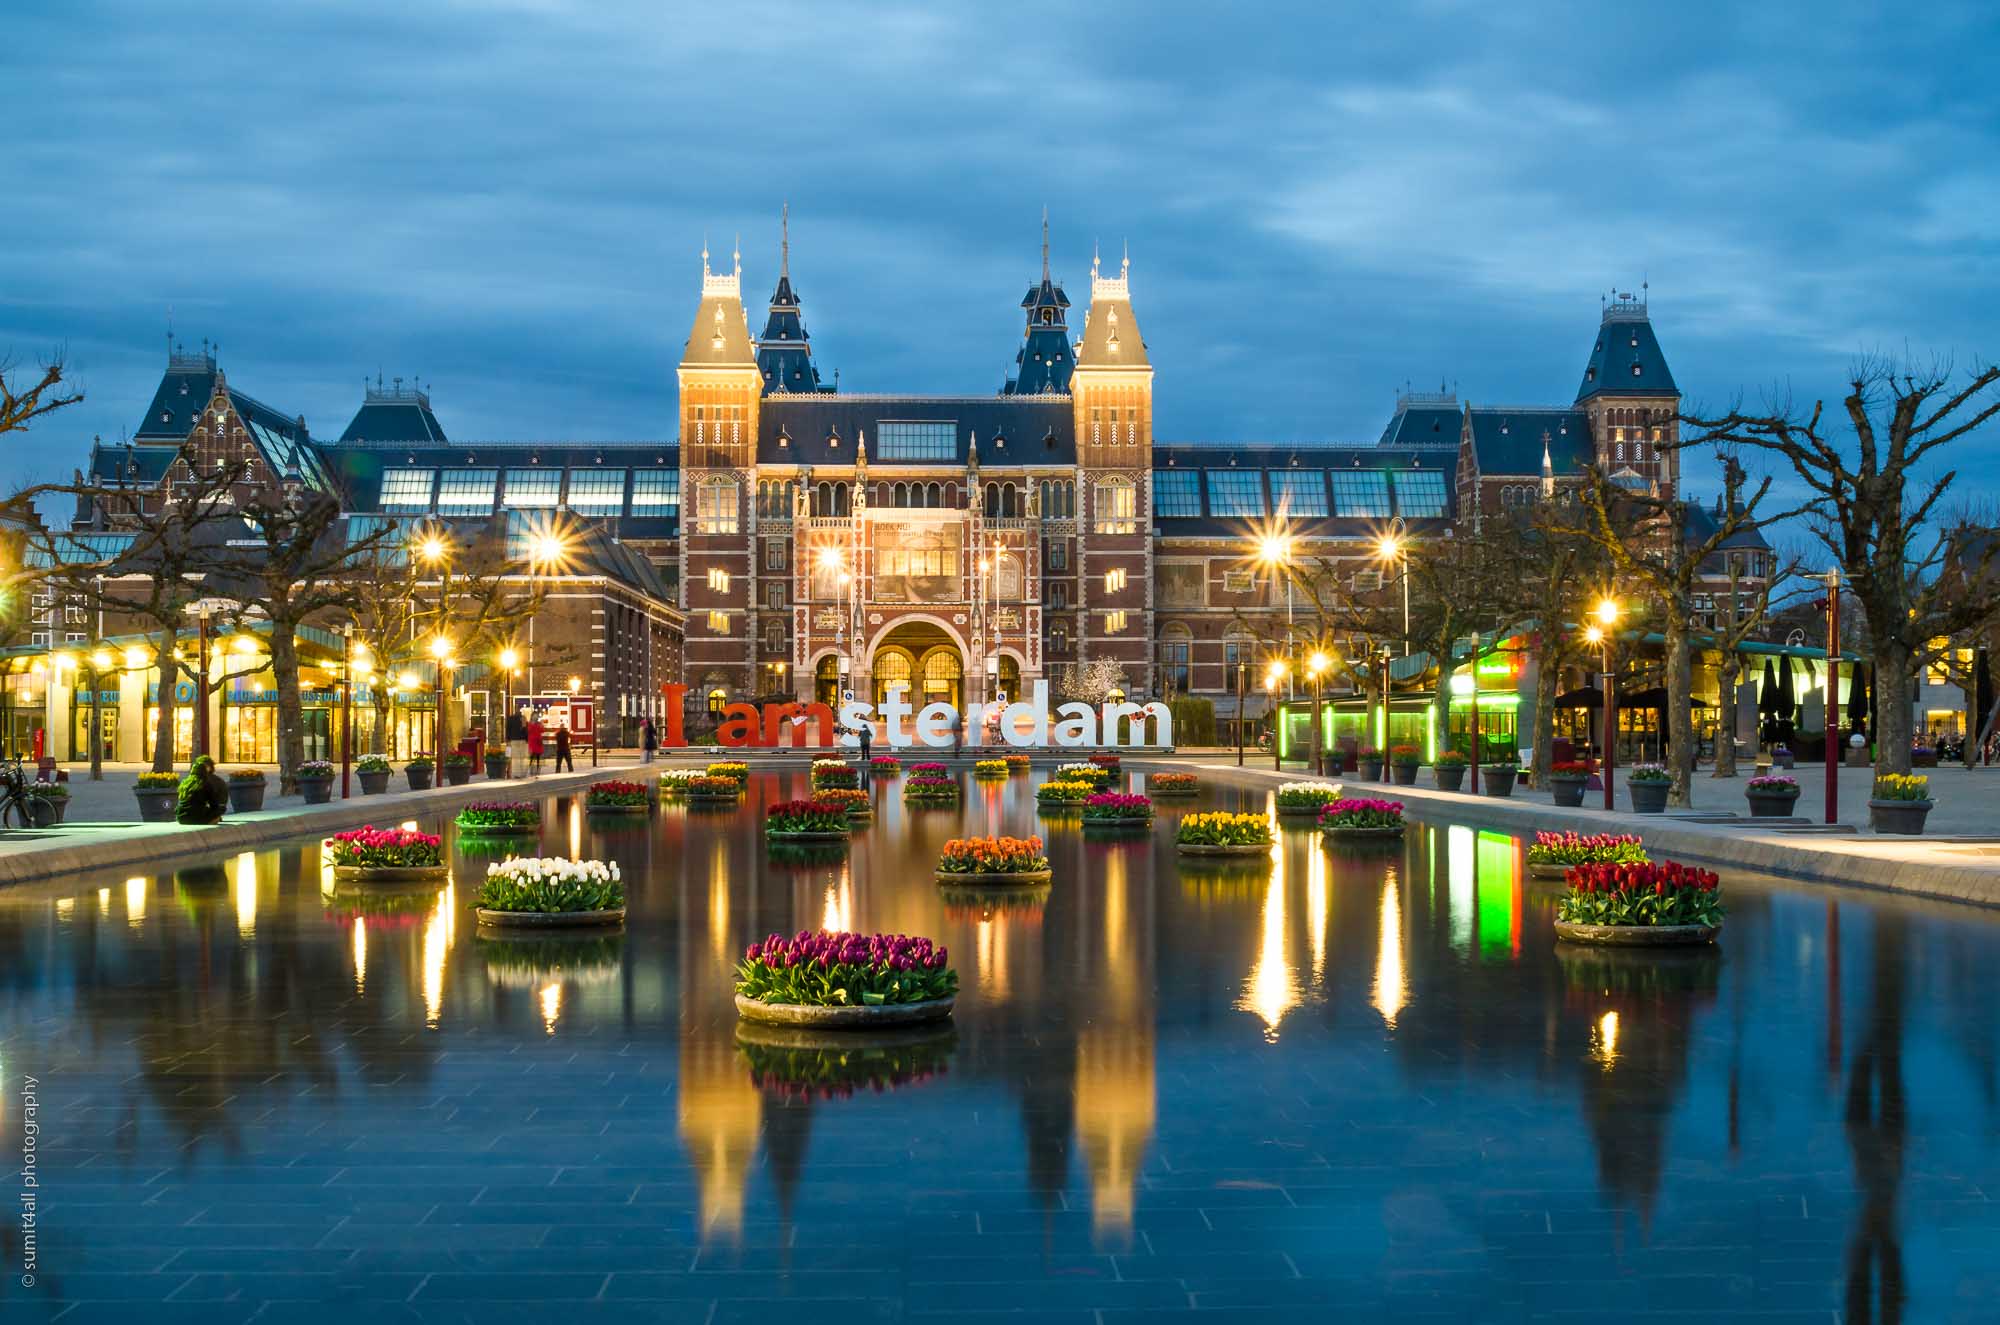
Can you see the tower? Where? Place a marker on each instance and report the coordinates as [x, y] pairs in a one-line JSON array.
[[1111, 394], [720, 387], [1629, 396], [784, 352], [1045, 361]]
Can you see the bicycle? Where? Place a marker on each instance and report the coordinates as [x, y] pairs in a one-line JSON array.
[[20, 807]]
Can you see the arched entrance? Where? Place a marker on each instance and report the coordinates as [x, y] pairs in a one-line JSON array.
[[1009, 677], [826, 681], [919, 661]]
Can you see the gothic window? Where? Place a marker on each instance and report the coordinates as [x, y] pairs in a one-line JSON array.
[[1007, 578], [1115, 506], [1176, 644], [716, 504]]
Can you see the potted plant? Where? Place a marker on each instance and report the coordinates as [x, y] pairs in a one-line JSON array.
[[834, 773], [1109, 761], [1064, 794], [1403, 762], [1369, 760], [832, 980], [386, 855], [1223, 834], [1017, 763], [500, 818], [1498, 779], [497, 764], [734, 770], [674, 782], [315, 779], [616, 797], [55, 796], [1112, 809], [929, 788], [457, 769], [373, 770], [1172, 784], [1781, 757], [885, 766], [1552, 854], [806, 821], [1772, 797], [419, 771], [1899, 803], [1361, 818], [1306, 799], [542, 893], [246, 790], [1567, 779], [1448, 770], [1007, 861], [1648, 785], [852, 800], [158, 794], [706, 789], [989, 770], [1096, 774], [1640, 904]]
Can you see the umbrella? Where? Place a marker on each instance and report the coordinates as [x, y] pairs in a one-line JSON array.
[[1858, 702], [1767, 704], [1788, 702], [1982, 701]]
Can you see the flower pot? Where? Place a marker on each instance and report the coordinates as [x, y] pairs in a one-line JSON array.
[[157, 807], [1131, 821], [1497, 779], [374, 784], [246, 796], [499, 830], [831, 835], [846, 1016], [1568, 791], [1637, 936], [1395, 830], [1403, 775], [58, 807], [389, 873], [1213, 849], [1449, 777], [1904, 817], [496, 767], [998, 879], [1371, 769], [420, 778], [549, 919], [317, 791], [1648, 797], [457, 775], [641, 808], [1771, 804]]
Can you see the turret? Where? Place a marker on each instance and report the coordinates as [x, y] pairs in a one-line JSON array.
[[1046, 360], [784, 352]]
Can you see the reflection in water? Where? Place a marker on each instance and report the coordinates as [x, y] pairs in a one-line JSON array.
[[1316, 910], [1271, 990], [1390, 990], [246, 895], [360, 955], [1607, 1038], [438, 933], [135, 901], [551, 1005], [1876, 1121]]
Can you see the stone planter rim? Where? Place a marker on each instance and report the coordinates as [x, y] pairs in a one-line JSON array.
[[1542, 870], [1126, 822], [615, 809], [1305, 809], [1157, 792], [549, 919], [390, 873], [861, 1017], [1637, 936], [830, 835], [1217, 849], [1000, 879], [497, 830], [1332, 831]]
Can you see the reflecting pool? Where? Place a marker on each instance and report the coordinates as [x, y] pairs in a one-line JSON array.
[[1349, 1074]]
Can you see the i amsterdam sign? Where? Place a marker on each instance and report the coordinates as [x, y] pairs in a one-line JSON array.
[[1025, 723]]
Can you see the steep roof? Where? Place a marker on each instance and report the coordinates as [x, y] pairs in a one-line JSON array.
[[1111, 337], [1423, 418], [822, 429], [184, 391], [1626, 359], [1509, 439], [784, 351], [395, 413], [720, 336], [1045, 360]]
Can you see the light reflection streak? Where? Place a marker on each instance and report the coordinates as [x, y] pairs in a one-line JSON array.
[[103, 902], [1316, 899], [135, 901], [576, 830], [1271, 991], [1391, 991], [1607, 1038], [360, 955], [438, 931], [65, 907], [551, 1005], [246, 894]]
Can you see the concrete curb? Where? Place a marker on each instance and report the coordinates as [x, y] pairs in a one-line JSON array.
[[148, 844], [1793, 857]]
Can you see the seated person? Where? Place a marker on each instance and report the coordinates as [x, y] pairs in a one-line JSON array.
[[204, 796]]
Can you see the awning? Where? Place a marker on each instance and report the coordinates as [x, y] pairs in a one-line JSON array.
[[1590, 697], [1653, 698]]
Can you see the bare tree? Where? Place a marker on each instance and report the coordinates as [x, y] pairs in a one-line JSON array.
[[1550, 573], [1874, 508], [23, 399], [1647, 538]]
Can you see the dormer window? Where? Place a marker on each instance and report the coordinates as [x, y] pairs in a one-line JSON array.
[[1048, 317], [1636, 370], [1590, 374]]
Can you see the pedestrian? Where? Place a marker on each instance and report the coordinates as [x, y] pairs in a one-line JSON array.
[[563, 761], [204, 797], [517, 742], [649, 738], [957, 732], [534, 744], [867, 733]]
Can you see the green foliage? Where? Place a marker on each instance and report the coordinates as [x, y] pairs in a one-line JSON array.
[[1194, 720], [1224, 830], [818, 969], [373, 764], [576, 892]]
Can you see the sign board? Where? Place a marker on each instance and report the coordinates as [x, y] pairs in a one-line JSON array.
[[576, 712], [1024, 723]]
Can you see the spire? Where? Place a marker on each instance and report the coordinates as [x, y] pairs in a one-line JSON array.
[[1548, 469], [1045, 243], [1045, 359], [785, 243], [784, 352]]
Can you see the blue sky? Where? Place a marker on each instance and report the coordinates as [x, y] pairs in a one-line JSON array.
[[507, 198]]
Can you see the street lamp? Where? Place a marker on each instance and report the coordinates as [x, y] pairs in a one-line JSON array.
[[510, 661], [1274, 553], [1606, 613], [1278, 670], [1315, 666], [1241, 668], [441, 650], [1394, 547]]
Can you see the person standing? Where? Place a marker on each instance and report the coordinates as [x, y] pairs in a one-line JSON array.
[[517, 743], [957, 733], [563, 760], [867, 733], [534, 744], [649, 738]]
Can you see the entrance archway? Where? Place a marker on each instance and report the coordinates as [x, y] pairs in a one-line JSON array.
[[826, 681], [1009, 677], [921, 661]]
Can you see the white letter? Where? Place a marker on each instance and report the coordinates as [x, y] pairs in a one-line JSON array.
[[854, 713], [893, 710], [934, 724], [1037, 715], [1076, 724], [1158, 712]]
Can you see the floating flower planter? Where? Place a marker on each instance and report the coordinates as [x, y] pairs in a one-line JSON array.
[[1017, 763], [1008, 861], [386, 855], [851, 799], [1553, 854], [706, 789], [1633, 905], [806, 821], [1172, 784], [1346, 818], [736, 772], [885, 766], [840, 981], [500, 819], [1095, 774], [1064, 795], [534, 892], [675, 781], [929, 788], [1305, 800], [834, 773], [989, 770], [1111, 809], [795, 1063], [1223, 834], [615, 797]]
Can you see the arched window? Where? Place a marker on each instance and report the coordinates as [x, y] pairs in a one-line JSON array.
[[1115, 506], [899, 495], [1059, 638], [1007, 578], [1176, 648], [717, 507], [1009, 501], [934, 495]]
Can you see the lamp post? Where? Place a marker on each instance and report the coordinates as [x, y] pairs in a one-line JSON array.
[[1396, 548], [1274, 552], [199, 738], [1240, 669], [1832, 693], [1271, 678], [346, 709], [1606, 613], [1316, 666], [1477, 755]]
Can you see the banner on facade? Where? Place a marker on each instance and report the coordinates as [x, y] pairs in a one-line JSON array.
[[1024, 723]]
